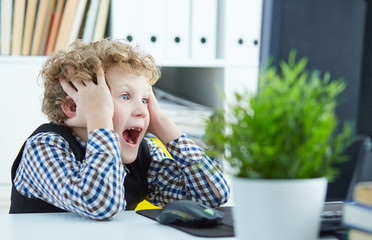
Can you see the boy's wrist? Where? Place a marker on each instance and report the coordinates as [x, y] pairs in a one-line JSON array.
[[99, 122], [166, 130]]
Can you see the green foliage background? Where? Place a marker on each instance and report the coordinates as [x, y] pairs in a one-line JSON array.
[[288, 130]]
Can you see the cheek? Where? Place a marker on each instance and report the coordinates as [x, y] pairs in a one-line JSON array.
[[116, 119], [117, 126], [147, 118], [147, 122], [119, 116]]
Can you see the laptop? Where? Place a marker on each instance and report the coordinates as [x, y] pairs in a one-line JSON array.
[[354, 170]]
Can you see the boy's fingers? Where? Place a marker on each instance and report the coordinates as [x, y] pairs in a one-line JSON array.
[[67, 87], [78, 83], [153, 101], [100, 74]]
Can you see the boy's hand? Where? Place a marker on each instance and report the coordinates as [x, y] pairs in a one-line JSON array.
[[160, 124], [94, 106]]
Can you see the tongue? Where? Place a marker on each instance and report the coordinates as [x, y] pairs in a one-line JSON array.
[[128, 136], [130, 140]]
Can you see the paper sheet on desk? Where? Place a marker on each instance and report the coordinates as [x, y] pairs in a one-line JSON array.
[[188, 116]]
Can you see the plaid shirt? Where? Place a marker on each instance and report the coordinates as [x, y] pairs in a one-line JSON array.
[[95, 187]]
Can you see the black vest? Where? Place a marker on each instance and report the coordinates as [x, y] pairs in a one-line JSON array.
[[135, 184]]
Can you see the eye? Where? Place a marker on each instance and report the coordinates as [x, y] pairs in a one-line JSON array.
[[145, 100], [124, 96]]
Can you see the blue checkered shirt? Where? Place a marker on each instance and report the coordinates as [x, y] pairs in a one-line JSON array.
[[95, 187]]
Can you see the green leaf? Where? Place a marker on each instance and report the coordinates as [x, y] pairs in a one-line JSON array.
[[289, 129]]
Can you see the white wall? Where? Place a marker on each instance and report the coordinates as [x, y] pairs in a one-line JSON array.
[[20, 106]]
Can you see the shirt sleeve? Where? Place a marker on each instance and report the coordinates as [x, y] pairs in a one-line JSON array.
[[93, 188], [185, 176]]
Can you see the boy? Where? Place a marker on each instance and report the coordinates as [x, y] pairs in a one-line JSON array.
[[93, 159]]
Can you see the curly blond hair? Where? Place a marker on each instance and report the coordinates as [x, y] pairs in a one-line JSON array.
[[80, 61]]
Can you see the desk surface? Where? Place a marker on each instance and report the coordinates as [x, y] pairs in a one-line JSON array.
[[69, 226]]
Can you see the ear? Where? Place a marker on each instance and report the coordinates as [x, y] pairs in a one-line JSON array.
[[69, 107]]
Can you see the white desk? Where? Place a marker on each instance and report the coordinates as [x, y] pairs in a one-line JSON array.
[[68, 226], [126, 225]]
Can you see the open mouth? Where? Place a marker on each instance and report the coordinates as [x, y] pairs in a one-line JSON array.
[[131, 135]]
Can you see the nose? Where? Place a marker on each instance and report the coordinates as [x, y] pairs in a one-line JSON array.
[[140, 109]]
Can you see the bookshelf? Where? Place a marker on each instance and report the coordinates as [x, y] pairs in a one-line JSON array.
[[197, 79]]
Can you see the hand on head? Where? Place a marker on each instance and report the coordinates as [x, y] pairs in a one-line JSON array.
[[88, 105], [155, 113], [160, 124]]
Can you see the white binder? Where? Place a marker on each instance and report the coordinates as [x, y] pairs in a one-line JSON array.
[[203, 29], [243, 30], [178, 29], [127, 21], [153, 28]]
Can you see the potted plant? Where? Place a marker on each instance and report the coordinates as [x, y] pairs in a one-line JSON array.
[[280, 145]]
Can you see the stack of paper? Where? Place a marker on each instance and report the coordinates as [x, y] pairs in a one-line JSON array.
[[188, 116]]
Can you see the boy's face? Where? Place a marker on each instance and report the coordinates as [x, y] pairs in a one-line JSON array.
[[130, 94]]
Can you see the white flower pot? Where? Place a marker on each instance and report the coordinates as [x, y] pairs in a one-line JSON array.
[[278, 209]]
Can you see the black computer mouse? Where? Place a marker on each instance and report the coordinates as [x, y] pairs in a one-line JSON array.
[[189, 213]]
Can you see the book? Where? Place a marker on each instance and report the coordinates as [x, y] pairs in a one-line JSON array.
[[48, 23], [90, 21], [358, 216], [82, 27], [6, 26], [56, 20], [354, 234], [101, 22], [78, 20], [18, 23], [29, 26], [40, 20], [363, 193], [67, 20]]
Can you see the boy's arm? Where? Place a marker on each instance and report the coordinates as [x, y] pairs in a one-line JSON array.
[[169, 134], [160, 124], [92, 188], [191, 174]]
